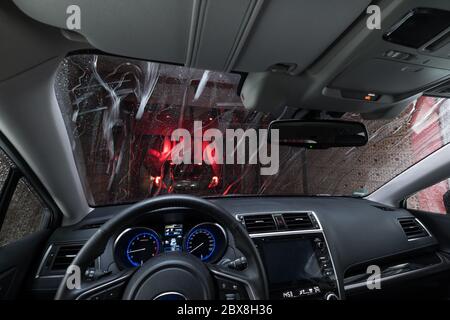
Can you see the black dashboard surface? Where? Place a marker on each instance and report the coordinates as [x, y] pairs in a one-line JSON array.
[[357, 230]]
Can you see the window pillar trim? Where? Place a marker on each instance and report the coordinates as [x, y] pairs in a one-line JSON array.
[[7, 192], [26, 172]]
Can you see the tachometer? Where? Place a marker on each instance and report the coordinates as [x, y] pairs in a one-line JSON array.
[[135, 246], [206, 241], [142, 247]]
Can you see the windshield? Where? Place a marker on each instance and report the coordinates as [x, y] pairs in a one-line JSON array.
[[120, 115]]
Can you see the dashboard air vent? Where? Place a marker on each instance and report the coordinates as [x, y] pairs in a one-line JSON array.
[[298, 221], [259, 223], [413, 229], [65, 256]]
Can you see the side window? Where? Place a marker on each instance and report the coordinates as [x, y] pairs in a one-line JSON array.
[[5, 165], [21, 212], [434, 199]]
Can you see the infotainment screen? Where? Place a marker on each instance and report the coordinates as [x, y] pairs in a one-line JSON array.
[[292, 267], [290, 261]]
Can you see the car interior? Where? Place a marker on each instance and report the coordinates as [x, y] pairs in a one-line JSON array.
[[224, 150]]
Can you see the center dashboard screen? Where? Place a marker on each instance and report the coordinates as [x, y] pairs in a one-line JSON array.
[[290, 264]]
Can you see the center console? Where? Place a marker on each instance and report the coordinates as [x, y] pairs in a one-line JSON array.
[[298, 262]]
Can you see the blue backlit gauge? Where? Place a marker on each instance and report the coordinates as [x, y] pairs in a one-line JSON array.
[[142, 247], [201, 243], [135, 246], [206, 241]]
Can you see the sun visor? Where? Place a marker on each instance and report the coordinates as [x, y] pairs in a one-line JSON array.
[[238, 35]]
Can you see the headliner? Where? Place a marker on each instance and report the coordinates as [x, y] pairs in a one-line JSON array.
[[249, 37]]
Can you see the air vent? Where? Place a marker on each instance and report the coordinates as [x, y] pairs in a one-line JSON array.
[[298, 221], [259, 223], [65, 256], [413, 229]]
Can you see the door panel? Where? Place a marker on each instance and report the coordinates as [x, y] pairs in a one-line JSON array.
[[438, 224], [19, 262]]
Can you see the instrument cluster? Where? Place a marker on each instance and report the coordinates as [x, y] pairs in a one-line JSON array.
[[134, 246]]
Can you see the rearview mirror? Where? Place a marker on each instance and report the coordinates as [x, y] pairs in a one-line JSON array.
[[320, 134]]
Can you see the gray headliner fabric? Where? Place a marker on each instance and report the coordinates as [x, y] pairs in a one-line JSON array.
[[156, 30], [297, 31], [161, 29], [26, 42]]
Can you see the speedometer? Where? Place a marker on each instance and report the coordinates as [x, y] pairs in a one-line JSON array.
[[201, 243], [206, 241]]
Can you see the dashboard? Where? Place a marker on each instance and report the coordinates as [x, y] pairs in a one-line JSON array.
[[314, 248]]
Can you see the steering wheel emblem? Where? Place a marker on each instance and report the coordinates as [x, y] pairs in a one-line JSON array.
[[170, 296]]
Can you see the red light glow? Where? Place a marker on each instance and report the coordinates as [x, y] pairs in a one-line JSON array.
[[158, 181], [214, 182]]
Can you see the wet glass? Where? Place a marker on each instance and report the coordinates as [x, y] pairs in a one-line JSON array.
[[120, 114]]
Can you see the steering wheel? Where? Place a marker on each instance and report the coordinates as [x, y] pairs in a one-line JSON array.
[[168, 276]]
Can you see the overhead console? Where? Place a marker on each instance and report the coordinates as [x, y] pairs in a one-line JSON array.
[[424, 35], [377, 73], [376, 78], [424, 29]]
